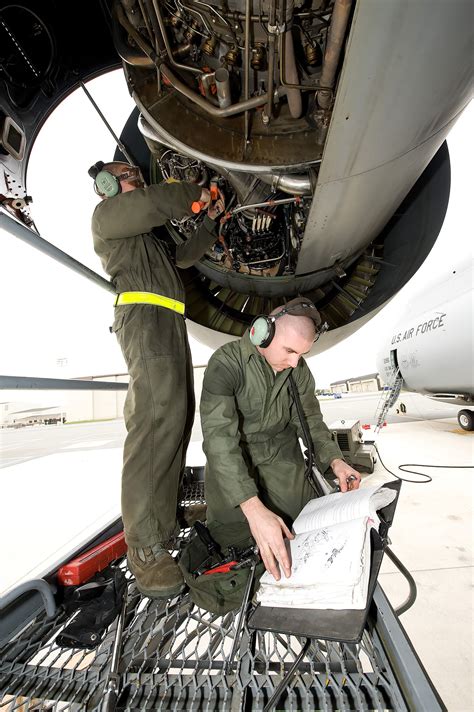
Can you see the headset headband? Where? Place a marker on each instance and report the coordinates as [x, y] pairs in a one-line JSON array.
[[262, 328]]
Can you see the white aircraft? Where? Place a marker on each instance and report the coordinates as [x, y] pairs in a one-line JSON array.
[[431, 346], [323, 122]]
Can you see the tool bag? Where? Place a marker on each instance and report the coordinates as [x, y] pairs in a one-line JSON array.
[[217, 592], [98, 602]]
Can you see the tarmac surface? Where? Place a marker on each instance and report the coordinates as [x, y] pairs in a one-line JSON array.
[[19, 445], [61, 484]]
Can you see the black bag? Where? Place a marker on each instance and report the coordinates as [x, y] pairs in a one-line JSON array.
[[99, 602], [219, 592]]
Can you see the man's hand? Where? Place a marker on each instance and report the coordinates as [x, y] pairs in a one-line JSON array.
[[216, 208], [269, 531], [205, 198], [349, 478]]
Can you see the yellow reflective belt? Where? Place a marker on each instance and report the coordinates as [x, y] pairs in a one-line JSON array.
[[149, 298]]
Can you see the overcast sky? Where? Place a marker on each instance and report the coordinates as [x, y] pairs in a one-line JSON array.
[[55, 323]]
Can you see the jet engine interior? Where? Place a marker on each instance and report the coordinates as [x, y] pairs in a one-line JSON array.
[[321, 122]]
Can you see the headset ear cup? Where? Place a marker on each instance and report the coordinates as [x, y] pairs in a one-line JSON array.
[[107, 184], [262, 331], [271, 334]]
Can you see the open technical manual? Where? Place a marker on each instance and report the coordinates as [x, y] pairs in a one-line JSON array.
[[330, 554]]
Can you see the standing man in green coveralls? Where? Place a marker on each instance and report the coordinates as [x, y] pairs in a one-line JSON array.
[[150, 328], [255, 475]]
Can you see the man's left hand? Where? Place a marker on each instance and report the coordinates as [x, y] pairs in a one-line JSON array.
[[348, 478], [216, 208]]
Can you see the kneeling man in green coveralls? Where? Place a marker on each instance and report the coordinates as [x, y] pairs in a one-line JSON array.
[[150, 328], [255, 475]]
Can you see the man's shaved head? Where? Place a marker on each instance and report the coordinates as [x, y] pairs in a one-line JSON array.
[[294, 336], [301, 325]]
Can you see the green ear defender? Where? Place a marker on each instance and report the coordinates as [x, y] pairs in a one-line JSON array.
[[107, 184], [262, 330]]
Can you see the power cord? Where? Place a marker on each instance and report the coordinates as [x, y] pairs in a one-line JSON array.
[[405, 466]]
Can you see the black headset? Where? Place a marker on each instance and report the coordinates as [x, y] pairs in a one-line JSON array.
[[106, 184], [262, 328]]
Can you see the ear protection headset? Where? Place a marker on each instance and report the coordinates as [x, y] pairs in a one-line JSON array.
[[262, 328], [106, 183]]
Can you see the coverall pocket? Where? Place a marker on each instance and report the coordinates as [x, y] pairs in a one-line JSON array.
[[252, 407], [118, 322]]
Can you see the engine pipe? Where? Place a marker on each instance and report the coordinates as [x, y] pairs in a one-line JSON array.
[[222, 82], [267, 114], [180, 86], [246, 69], [169, 52], [294, 95], [337, 32]]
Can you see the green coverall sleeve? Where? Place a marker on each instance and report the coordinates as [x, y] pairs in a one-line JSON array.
[[193, 249], [325, 449], [227, 473], [142, 209]]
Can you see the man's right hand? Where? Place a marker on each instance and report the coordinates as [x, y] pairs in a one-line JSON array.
[[268, 530]]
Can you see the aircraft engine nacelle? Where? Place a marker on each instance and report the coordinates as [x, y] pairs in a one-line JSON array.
[[323, 123], [315, 120]]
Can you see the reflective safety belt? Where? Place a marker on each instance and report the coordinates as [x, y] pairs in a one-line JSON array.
[[149, 298]]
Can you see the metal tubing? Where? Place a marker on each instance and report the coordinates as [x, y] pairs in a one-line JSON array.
[[147, 18], [109, 703], [22, 383], [119, 143], [289, 183], [271, 203], [294, 95], [19, 230], [150, 129], [283, 78], [271, 58], [231, 110], [158, 43], [201, 17], [242, 614], [337, 31], [222, 81], [140, 41], [180, 86], [287, 678], [159, 17], [130, 56], [246, 69]]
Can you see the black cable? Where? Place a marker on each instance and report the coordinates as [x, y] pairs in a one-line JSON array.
[[405, 466]]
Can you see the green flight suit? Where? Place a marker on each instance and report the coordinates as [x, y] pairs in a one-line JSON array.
[[159, 407], [250, 428]]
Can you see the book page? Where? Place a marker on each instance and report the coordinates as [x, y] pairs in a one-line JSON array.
[[330, 569], [343, 506]]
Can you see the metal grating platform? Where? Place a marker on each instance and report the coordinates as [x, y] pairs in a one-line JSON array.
[[173, 657]]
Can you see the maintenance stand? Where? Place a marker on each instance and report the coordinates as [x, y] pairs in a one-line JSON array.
[[172, 655]]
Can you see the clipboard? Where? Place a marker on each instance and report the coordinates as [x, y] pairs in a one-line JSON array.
[[345, 626]]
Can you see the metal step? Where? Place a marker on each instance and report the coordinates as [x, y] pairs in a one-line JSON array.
[[173, 656]]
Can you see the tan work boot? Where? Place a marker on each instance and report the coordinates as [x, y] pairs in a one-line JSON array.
[[188, 515], [157, 574]]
